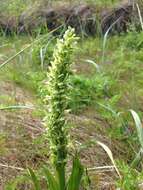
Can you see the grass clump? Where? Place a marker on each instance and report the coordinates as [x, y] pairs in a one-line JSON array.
[[134, 40], [42, 52]]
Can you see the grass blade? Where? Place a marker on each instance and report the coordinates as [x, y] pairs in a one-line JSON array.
[[16, 107], [105, 38], [94, 64], [140, 16], [137, 159], [139, 127], [108, 151], [34, 179], [76, 175], [52, 183]]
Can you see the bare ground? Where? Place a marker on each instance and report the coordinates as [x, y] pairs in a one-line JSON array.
[[17, 130]]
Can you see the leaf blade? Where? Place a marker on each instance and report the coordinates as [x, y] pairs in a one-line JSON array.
[[76, 175], [52, 183], [109, 153], [138, 125], [34, 179]]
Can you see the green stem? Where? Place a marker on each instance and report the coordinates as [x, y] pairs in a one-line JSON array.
[[61, 176]]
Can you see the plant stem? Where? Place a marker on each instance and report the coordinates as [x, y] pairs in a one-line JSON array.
[[61, 175], [57, 88]]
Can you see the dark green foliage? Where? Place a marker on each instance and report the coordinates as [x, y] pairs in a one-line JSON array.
[[86, 91]]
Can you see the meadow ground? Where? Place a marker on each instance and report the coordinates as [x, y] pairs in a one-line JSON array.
[[107, 82], [104, 85]]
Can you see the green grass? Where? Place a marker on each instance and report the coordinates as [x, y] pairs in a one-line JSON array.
[[103, 91], [116, 88]]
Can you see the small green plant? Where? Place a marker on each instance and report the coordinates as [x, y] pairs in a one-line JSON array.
[[57, 87], [130, 177]]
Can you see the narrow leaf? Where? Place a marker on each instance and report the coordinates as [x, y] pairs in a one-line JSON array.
[[108, 151], [16, 107], [76, 175], [52, 183], [137, 159], [34, 179], [94, 64], [138, 125], [105, 38]]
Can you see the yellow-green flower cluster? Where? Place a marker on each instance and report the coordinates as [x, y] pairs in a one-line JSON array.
[[57, 86]]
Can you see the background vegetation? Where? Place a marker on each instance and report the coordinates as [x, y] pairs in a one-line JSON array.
[[105, 87]]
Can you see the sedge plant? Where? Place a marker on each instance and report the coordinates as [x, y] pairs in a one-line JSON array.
[[56, 99]]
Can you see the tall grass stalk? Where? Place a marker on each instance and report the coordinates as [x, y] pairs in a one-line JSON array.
[[140, 16], [139, 128], [105, 39]]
